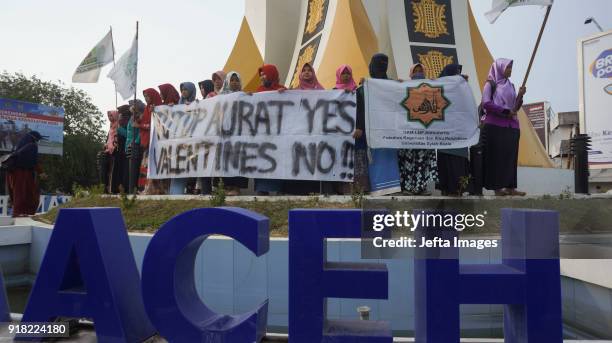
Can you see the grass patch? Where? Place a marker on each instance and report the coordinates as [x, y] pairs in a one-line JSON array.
[[149, 215], [575, 215]]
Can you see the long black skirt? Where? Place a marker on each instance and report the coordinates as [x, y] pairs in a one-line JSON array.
[[452, 170], [500, 156]]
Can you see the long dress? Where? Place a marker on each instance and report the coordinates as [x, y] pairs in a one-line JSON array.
[[417, 169], [22, 186], [23, 191]]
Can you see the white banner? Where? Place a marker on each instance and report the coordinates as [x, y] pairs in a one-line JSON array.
[[102, 54], [499, 6], [595, 58], [421, 114], [297, 135], [125, 71]]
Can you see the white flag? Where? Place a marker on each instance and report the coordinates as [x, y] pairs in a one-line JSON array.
[[102, 54], [499, 6], [125, 71]]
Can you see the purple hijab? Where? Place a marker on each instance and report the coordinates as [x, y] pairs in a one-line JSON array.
[[505, 93], [504, 97]]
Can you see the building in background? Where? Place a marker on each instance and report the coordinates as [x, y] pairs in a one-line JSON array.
[[595, 78], [539, 114], [563, 126]]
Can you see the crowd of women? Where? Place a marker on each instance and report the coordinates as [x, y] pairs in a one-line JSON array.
[[450, 170]]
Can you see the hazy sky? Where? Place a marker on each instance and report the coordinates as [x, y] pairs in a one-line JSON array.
[[187, 40]]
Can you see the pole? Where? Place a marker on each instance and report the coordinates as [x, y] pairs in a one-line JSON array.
[[535, 50], [113, 46], [135, 151], [598, 26], [136, 78]]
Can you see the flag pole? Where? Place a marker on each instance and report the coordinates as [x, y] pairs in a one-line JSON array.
[[113, 47], [535, 50], [134, 169], [136, 78]]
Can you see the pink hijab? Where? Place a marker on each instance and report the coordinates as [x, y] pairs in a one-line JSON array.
[[351, 85], [505, 93], [220, 74], [113, 117], [313, 84]]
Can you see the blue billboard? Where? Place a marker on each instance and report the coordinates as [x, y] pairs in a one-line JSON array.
[[19, 117]]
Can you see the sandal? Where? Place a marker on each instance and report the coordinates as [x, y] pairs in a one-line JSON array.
[[516, 193], [501, 193]]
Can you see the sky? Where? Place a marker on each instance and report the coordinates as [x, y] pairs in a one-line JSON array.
[[187, 40]]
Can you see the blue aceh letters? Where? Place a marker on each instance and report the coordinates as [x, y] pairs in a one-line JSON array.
[[89, 271], [168, 283], [5, 312], [527, 282]]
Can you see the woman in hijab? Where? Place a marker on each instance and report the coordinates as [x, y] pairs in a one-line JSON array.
[[232, 84], [270, 81], [218, 78], [203, 185], [417, 166], [21, 178], [378, 70], [152, 98], [206, 87], [188, 93], [308, 79], [120, 165], [169, 95], [501, 131], [344, 78], [269, 77], [453, 164], [132, 145], [106, 169]]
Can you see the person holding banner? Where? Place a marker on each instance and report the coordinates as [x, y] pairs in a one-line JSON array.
[[203, 185], [188, 95], [453, 164], [218, 78], [308, 81], [344, 78], [232, 84], [206, 87], [418, 167], [381, 173], [168, 95], [501, 131], [270, 81]]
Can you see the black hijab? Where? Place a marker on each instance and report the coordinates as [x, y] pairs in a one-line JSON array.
[[451, 70], [208, 85], [124, 115], [378, 66], [27, 157]]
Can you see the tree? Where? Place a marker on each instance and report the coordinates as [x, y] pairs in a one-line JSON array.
[[83, 134]]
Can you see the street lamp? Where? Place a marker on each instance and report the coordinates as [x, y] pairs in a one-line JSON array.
[[590, 20]]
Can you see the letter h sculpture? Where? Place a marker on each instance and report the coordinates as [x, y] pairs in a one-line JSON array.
[[527, 282]]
